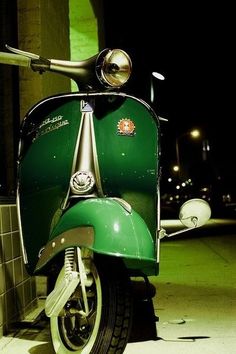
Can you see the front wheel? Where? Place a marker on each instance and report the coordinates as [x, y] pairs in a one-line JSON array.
[[106, 328]]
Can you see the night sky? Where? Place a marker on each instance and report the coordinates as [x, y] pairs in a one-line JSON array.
[[192, 45]]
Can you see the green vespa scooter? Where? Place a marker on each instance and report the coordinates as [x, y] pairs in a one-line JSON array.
[[88, 199]]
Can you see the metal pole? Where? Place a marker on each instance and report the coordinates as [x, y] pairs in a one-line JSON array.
[[177, 155], [195, 134]]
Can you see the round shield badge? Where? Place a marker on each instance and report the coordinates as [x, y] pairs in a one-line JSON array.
[[126, 127]]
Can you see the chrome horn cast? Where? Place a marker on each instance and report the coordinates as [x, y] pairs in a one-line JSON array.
[[82, 182]]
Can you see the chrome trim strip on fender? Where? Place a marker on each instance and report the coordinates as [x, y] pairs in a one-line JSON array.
[[80, 236]]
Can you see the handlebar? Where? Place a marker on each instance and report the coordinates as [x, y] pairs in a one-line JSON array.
[[14, 59], [110, 68]]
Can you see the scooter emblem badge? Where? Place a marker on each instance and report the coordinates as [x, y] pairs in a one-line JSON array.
[[126, 127]]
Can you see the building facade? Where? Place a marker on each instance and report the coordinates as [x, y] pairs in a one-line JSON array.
[[53, 31]]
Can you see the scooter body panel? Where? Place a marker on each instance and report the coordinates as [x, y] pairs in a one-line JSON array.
[[104, 226], [129, 162], [45, 162], [127, 159]]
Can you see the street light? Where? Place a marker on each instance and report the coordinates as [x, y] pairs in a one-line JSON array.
[[176, 168], [195, 133], [157, 76]]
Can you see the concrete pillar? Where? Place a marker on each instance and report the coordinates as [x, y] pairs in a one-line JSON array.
[[43, 28]]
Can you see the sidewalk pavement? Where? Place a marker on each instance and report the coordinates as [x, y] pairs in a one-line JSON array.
[[195, 300]]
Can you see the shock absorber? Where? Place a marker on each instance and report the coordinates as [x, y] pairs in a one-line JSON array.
[[65, 287], [69, 260]]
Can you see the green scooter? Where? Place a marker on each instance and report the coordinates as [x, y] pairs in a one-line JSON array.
[[88, 199]]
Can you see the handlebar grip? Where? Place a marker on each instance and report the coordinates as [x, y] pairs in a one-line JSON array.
[[14, 59]]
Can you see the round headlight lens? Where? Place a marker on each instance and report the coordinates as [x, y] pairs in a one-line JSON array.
[[114, 69]]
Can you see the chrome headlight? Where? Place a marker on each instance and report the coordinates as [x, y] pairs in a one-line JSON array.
[[113, 67]]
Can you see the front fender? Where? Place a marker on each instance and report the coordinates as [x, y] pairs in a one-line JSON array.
[[106, 227]]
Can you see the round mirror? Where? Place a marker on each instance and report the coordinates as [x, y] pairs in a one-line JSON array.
[[194, 213]]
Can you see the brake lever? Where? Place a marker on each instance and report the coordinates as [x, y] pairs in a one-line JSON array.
[[22, 52]]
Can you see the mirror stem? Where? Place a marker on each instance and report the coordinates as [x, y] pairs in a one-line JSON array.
[[164, 234]]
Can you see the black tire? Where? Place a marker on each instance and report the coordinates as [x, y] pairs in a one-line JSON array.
[[107, 328]]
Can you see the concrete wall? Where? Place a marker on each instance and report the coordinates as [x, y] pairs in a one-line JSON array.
[[17, 288], [44, 29], [86, 30]]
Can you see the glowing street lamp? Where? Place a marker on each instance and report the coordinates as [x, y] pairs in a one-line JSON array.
[[195, 133], [175, 168], [157, 76]]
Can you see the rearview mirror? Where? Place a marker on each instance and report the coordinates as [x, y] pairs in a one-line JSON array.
[[194, 213]]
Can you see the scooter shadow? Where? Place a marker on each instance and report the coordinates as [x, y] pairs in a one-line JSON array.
[[42, 348], [144, 318]]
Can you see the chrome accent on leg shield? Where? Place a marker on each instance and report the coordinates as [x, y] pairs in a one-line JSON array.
[[85, 171]]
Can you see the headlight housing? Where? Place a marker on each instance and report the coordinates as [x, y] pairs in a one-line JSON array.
[[113, 67]]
